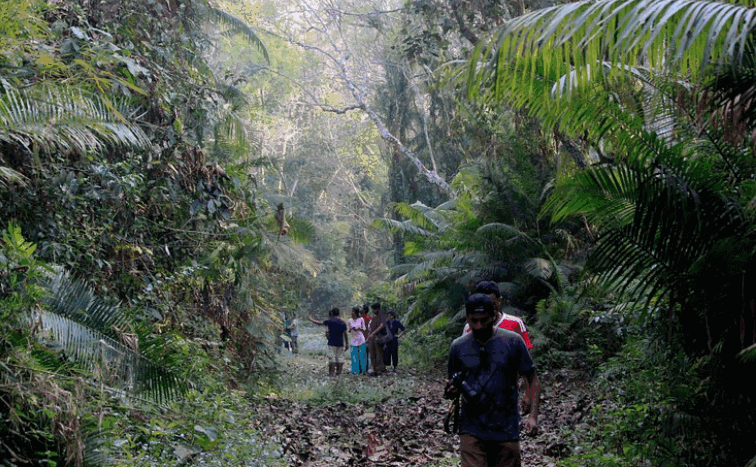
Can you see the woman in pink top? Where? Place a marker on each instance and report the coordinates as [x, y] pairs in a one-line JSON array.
[[357, 341]]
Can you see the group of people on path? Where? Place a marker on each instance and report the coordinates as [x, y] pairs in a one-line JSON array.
[[373, 336], [488, 366]]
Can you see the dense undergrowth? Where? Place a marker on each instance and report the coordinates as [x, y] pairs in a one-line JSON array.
[[61, 408], [650, 402]]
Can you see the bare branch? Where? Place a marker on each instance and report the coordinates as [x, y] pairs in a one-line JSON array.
[[339, 58], [425, 119], [343, 110], [463, 29]]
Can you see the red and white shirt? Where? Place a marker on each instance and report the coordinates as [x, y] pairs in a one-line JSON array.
[[510, 323]]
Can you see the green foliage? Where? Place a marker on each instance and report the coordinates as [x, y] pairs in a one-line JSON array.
[[351, 389], [668, 201], [21, 270], [450, 247], [559, 319], [670, 204], [38, 415], [104, 107], [96, 335], [19, 21], [572, 46], [237, 26], [60, 342], [427, 348], [651, 409], [208, 426], [65, 120]]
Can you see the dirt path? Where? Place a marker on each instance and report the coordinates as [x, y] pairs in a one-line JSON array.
[[393, 420]]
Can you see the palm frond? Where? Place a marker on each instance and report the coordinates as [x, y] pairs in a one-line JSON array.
[[93, 333], [302, 230], [540, 268], [423, 216], [604, 193], [498, 230], [680, 224], [733, 96], [238, 26], [400, 226], [579, 39], [66, 120], [8, 175]]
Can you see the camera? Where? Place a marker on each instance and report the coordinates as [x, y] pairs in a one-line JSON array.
[[472, 390]]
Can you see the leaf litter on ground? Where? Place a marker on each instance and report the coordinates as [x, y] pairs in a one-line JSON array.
[[396, 419]]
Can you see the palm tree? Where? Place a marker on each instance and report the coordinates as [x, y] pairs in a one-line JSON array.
[[631, 79], [661, 92], [448, 248]]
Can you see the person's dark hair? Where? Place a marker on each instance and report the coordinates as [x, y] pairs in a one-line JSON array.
[[334, 312], [479, 303], [488, 288], [365, 309], [392, 313], [356, 310], [376, 306]]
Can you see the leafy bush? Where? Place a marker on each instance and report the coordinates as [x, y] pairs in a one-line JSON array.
[[572, 331], [210, 426], [655, 409]]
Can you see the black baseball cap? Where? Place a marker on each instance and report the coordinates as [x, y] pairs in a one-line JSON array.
[[479, 303]]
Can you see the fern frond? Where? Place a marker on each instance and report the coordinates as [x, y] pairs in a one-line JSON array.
[[579, 39], [748, 354], [8, 176]]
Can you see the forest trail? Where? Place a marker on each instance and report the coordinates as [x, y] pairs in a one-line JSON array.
[[395, 419]]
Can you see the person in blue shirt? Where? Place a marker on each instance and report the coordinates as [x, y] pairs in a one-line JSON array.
[[483, 370], [338, 341], [391, 352]]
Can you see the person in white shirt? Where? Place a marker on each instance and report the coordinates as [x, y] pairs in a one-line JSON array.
[[357, 341]]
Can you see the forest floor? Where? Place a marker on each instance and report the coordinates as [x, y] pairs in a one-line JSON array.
[[395, 419]]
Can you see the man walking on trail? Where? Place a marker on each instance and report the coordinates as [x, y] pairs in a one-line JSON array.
[[338, 342], [510, 323], [483, 369]]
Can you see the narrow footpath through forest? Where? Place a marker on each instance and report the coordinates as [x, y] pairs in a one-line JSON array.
[[395, 419]]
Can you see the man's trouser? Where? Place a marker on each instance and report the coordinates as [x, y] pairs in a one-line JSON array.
[[478, 453], [376, 356], [391, 353]]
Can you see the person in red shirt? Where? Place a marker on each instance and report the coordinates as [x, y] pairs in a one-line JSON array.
[[366, 318], [503, 320], [510, 323]]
